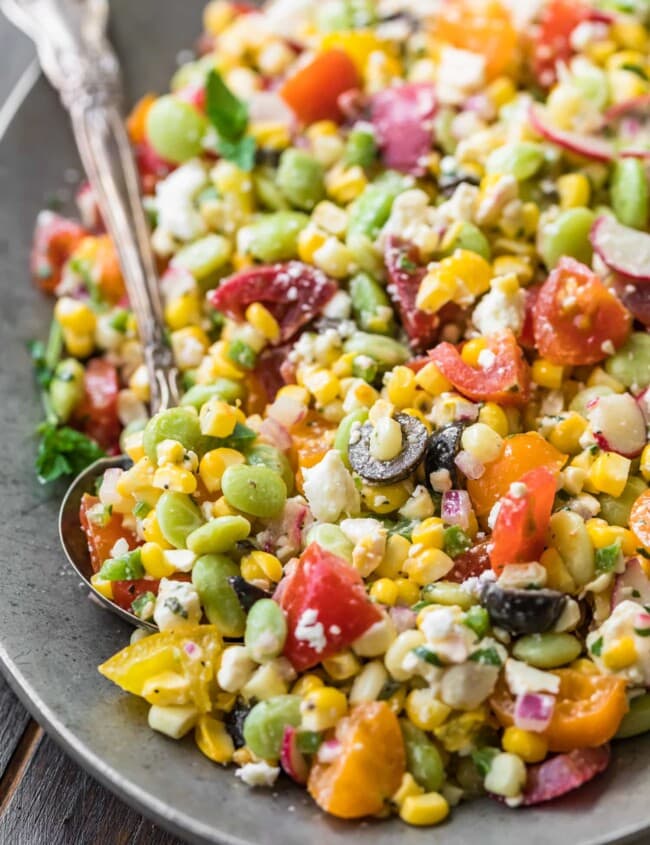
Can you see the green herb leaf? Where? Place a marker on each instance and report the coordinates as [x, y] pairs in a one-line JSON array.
[[63, 451], [642, 632], [406, 264], [240, 152], [241, 437], [42, 372], [597, 647], [427, 655], [607, 557], [389, 689], [173, 604], [455, 541], [141, 509], [486, 656], [482, 759], [227, 113]]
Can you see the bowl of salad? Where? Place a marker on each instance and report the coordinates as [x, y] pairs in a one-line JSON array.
[[390, 554]]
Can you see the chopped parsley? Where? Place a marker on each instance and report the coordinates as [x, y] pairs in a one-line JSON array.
[[143, 606], [229, 116], [486, 656], [141, 509], [597, 647], [243, 354], [427, 655], [173, 604], [455, 541], [607, 557]]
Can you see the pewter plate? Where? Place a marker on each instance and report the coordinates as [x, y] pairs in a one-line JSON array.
[[52, 637]]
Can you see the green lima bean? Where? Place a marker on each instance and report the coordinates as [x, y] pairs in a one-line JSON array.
[[301, 178], [218, 535], [370, 305], [219, 601], [266, 630], [274, 237]]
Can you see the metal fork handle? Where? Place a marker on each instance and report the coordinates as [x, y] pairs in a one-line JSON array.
[[80, 63]]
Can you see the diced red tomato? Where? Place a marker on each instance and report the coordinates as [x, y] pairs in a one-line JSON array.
[[576, 317], [55, 239], [470, 564], [313, 91], [402, 116], [552, 43], [518, 534], [327, 596], [97, 412], [527, 336], [102, 538], [505, 380], [126, 592], [293, 292], [405, 273], [151, 167]]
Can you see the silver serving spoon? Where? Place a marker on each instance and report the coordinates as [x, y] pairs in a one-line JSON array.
[[70, 38]]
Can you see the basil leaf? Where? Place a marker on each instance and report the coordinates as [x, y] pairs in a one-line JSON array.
[[227, 113], [240, 152]]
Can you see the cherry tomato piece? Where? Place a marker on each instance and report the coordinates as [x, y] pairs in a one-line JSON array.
[[552, 42], [470, 564], [577, 319], [97, 411], [401, 116], [506, 379], [518, 534], [102, 538], [55, 239], [126, 592], [640, 519], [313, 91]]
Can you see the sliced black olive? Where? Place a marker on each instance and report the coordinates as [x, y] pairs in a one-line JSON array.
[[246, 592], [414, 443], [448, 182], [523, 611], [234, 723], [267, 156], [442, 448]]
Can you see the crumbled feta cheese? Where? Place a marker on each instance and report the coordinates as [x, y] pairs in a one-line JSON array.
[[181, 559], [460, 72], [518, 490], [447, 635], [466, 686], [521, 576], [570, 616], [175, 201], [120, 547], [440, 480], [626, 619], [129, 408], [419, 505], [235, 669], [522, 678], [501, 308], [486, 359], [330, 489], [177, 605], [310, 630], [258, 774], [369, 538], [339, 307]]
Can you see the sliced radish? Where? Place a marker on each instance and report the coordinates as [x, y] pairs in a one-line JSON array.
[[625, 250], [291, 758], [564, 773], [589, 146], [618, 424], [632, 585], [635, 296], [643, 400], [637, 105]]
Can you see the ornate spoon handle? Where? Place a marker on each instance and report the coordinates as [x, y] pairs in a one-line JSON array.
[[80, 63]]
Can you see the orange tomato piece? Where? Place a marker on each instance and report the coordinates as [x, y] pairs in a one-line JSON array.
[[313, 91], [588, 709], [519, 454], [640, 519], [479, 26], [369, 768], [312, 439], [98, 256], [136, 122]]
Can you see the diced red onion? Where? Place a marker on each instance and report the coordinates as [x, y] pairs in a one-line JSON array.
[[192, 649], [403, 617], [287, 411], [456, 508], [469, 465], [533, 711], [276, 434]]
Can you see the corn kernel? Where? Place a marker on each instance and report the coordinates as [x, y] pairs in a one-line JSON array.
[[598, 376], [154, 561], [268, 565], [104, 587], [320, 128], [482, 442], [75, 315], [530, 218], [271, 134], [306, 684], [219, 419], [217, 15], [214, 463], [437, 288], [566, 434], [296, 392], [430, 378], [630, 34], [322, 384], [531, 747], [78, 345], [626, 85], [557, 574], [547, 374], [174, 478], [334, 258], [395, 555], [342, 666], [344, 184], [400, 386], [138, 477], [133, 446], [424, 810], [645, 463], [261, 319], [609, 473], [384, 591], [321, 708], [517, 265], [429, 533], [471, 351], [428, 565], [493, 415], [408, 592], [602, 534], [182, 311], [151, 531], [574, 190], [408, 788], [620, 655], [425, 710], [213, 740], [170, 452], [139, 383], [250, 568]]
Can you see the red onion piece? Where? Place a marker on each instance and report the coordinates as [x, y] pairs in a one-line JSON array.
[[469, 465], [402, 617], [456, 508], [273, 432], [287, 411], [533, 711]]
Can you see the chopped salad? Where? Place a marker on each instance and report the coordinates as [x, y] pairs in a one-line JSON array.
[[396, 537]]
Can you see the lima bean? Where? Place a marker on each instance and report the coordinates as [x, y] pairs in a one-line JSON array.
[[256, 490], [266, 630], [547, 651], [178, 516], [265, 724], [423, 759], [267, 193], [180, 424], [568, 234], [204, 256], [448, 593], [521, 160], [274, 237], [470, 237], [631, 364], [263, 454], [220, 604], [370, 305], [372, 209], [225, 389], [175, 129], [343, 432], [66, 388], [629, 192], [637, 719], [360, 148], [332, 539], [218, 535], [384, 350], [569, 536], [301, 178], [581, 400], [616, 510]]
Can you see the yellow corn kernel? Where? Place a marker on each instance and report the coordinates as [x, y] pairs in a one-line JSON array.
[[598, 377], [322, 384], [600, 51], [363, 394], [222, 508], [250, 569], [321, 128], [261, 319], [133, 446], [225, 701], [530, 218], [625, 85], [344, 365], [574, 190], [408, 591], [174, 478], [344, 184], [78, 345], [342, 666], [219, 419], [295, 391], [214, 463], [471, 350], [630, 34], [384, 591], [151, 531], [620, 655], [400, 386], [645, 463], [182, 311], [75, 315], [321, 708], [408, 788], [102, 585], [428, 565], [268, 565], [430, 378], [531, 747], [167, 689], [425, 710], [424, 810], [170, 452], [602, 534], [609, 473], [139, 383], [189, 345], [429, 533], [217, 15], [271, 134], [154, 561], [334, 258], [437, 288], [423, 401], [493, 415], [585, 666], [385, 499], [547, 374], [397, 550], [310, 240], [566, 434], [213, 740], [306, 684], [517, 265], [482, 442], [501, 91], [138, 477]]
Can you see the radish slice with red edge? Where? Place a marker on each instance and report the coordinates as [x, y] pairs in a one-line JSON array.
[[618, 424], [291, 758], [589, 146], [564, 773], [632, 585], [625, 250], [635, 296]]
